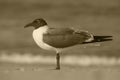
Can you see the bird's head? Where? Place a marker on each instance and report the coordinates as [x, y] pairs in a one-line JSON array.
[[36, 23]]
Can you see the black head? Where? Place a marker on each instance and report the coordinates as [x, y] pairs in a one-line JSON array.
[[37, 23]]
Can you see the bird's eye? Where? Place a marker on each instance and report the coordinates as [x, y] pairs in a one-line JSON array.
[[36, 21]]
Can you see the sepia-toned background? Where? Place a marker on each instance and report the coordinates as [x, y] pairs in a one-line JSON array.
[[19, 54]]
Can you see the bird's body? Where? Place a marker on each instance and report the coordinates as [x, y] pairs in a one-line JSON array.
[[56, 39]]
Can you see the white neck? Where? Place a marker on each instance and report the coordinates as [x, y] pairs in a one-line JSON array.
[[42, 29]]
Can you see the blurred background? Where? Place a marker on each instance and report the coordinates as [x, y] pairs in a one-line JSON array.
[[100, 17]]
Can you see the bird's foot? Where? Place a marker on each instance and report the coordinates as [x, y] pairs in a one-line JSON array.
[[57, 68]]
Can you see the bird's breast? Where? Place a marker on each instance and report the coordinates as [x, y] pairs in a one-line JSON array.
[[38, 38]]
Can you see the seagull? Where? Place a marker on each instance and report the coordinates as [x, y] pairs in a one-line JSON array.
[[57, 39]]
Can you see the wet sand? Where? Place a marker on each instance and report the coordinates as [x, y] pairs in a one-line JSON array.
[[47, 72]]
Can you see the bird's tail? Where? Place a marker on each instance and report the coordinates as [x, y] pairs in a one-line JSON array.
[[89, 37], [102, 38], [93, 39]]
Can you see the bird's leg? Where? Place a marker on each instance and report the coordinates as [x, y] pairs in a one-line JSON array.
[[58, 61]]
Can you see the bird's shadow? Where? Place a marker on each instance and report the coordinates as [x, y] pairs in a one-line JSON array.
[[100, 39]]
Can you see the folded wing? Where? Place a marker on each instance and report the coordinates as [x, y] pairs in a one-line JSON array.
[[65, 37]]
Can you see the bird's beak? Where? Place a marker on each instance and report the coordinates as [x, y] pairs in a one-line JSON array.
[[28, 25]]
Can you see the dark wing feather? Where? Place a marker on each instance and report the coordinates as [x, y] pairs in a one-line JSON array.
[[63, 37], [60, 31]]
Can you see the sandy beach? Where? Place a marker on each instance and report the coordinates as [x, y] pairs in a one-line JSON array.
[[35, 72]]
